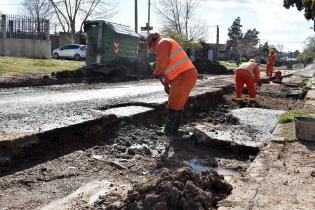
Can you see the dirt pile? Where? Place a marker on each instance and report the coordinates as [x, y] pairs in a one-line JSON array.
[[117, 70], [220, 115], [184, 189], [208, 67]]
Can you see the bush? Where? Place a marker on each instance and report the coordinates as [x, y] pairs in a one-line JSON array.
[[205, 66]]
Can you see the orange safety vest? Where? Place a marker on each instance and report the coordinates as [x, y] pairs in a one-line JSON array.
[[178, 61], [250, 67]]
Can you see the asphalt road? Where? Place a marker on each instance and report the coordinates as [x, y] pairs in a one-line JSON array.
[[25, 111]]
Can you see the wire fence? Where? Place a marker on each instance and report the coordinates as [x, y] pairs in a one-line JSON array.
[[23, 27]]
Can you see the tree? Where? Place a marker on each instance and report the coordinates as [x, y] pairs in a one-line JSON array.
[[296, 53], [248, 43], [265, 49], [38, 9], [178, 16], [182, 40], [72, 12], [307, 5], [310, 47], [308, 54], [235, 35]]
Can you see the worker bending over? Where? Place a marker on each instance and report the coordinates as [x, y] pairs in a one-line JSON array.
[[271, 63], [179, 74], [249, 74]]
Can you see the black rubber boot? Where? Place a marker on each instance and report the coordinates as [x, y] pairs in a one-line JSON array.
[[178, 119], [172, 122]]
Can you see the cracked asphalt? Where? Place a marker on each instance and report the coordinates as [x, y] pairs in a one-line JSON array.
[[30, 110]]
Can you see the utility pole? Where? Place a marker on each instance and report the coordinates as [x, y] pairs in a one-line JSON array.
[[149, 4], [136, 16], [217, 45]]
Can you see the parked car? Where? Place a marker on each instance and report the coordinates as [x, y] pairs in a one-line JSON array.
[[73, 51]]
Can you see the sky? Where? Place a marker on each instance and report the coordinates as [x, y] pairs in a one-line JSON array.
[[277, 25]]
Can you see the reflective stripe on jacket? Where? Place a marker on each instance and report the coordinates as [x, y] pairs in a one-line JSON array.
[[250, 67], [178, 61]]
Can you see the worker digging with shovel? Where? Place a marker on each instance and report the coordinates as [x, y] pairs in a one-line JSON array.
[[177, 74], [247, 74]]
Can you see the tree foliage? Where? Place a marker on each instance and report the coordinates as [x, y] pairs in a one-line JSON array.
[[72, 13], [248, 43], [307, 5], [308, 54], [242, 44], [38, 9], [235, 35], [179, 16], [181, 39]]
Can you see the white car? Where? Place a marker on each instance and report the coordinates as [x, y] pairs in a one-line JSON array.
[[73, 51]]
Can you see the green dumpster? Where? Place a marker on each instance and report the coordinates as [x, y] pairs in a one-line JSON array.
[[107, 41]]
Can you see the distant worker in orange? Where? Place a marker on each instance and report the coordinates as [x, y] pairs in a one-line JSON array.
[[176, 71], [271, 63], [248, 74]]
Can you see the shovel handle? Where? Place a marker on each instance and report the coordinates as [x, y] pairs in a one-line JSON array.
[[166, 88]]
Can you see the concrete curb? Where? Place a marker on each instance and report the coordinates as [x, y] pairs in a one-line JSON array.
[[246, 189]]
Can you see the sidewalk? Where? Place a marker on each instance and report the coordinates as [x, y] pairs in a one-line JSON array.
[[282, 176]]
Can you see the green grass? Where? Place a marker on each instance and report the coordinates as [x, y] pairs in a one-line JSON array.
[[17, 66], [289, 132], [289, 116], [229, 64]]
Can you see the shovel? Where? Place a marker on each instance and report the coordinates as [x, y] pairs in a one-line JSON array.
[[166, 87]]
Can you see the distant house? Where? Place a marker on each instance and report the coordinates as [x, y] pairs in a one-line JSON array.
[[223, 52]]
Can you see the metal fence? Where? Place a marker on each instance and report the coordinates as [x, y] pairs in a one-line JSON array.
[[23, 27]]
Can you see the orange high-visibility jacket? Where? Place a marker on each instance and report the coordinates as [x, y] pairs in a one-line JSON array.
[[252, 68], [272, 59], [178, 61]]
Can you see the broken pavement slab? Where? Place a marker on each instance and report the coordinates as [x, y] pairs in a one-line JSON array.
[[310, 98], [281, 177], [254, 129], [49, 115]]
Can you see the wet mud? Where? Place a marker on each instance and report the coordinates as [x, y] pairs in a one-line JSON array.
[[179, 190], [134, 150]]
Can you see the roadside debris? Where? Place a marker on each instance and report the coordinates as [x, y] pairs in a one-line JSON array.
[[183, 189]]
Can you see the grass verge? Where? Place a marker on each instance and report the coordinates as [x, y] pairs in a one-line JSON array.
[[289, 132], [17, 66], [229, 64], [289, 116]]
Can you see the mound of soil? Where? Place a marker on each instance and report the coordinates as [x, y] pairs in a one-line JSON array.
[[208, 67], [184, 189], [117, 70]]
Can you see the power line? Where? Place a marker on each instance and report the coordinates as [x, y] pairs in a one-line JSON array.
[[283, 41]]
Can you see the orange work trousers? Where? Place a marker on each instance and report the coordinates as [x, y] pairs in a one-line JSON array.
[[180, 88], [242, 77], [269, 68]]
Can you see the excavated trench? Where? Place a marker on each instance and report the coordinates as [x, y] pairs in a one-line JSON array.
[[126, 162]]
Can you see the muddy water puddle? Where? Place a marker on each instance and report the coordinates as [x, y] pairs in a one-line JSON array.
[[197, 165], [127, 111]]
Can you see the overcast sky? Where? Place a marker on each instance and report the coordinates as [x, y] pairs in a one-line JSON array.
[[276, 24]]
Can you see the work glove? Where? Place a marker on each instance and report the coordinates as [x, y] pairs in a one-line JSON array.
[[155, 75]]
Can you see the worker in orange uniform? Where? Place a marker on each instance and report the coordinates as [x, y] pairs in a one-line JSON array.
[[271, 63], [175, 68], [249, 74]]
